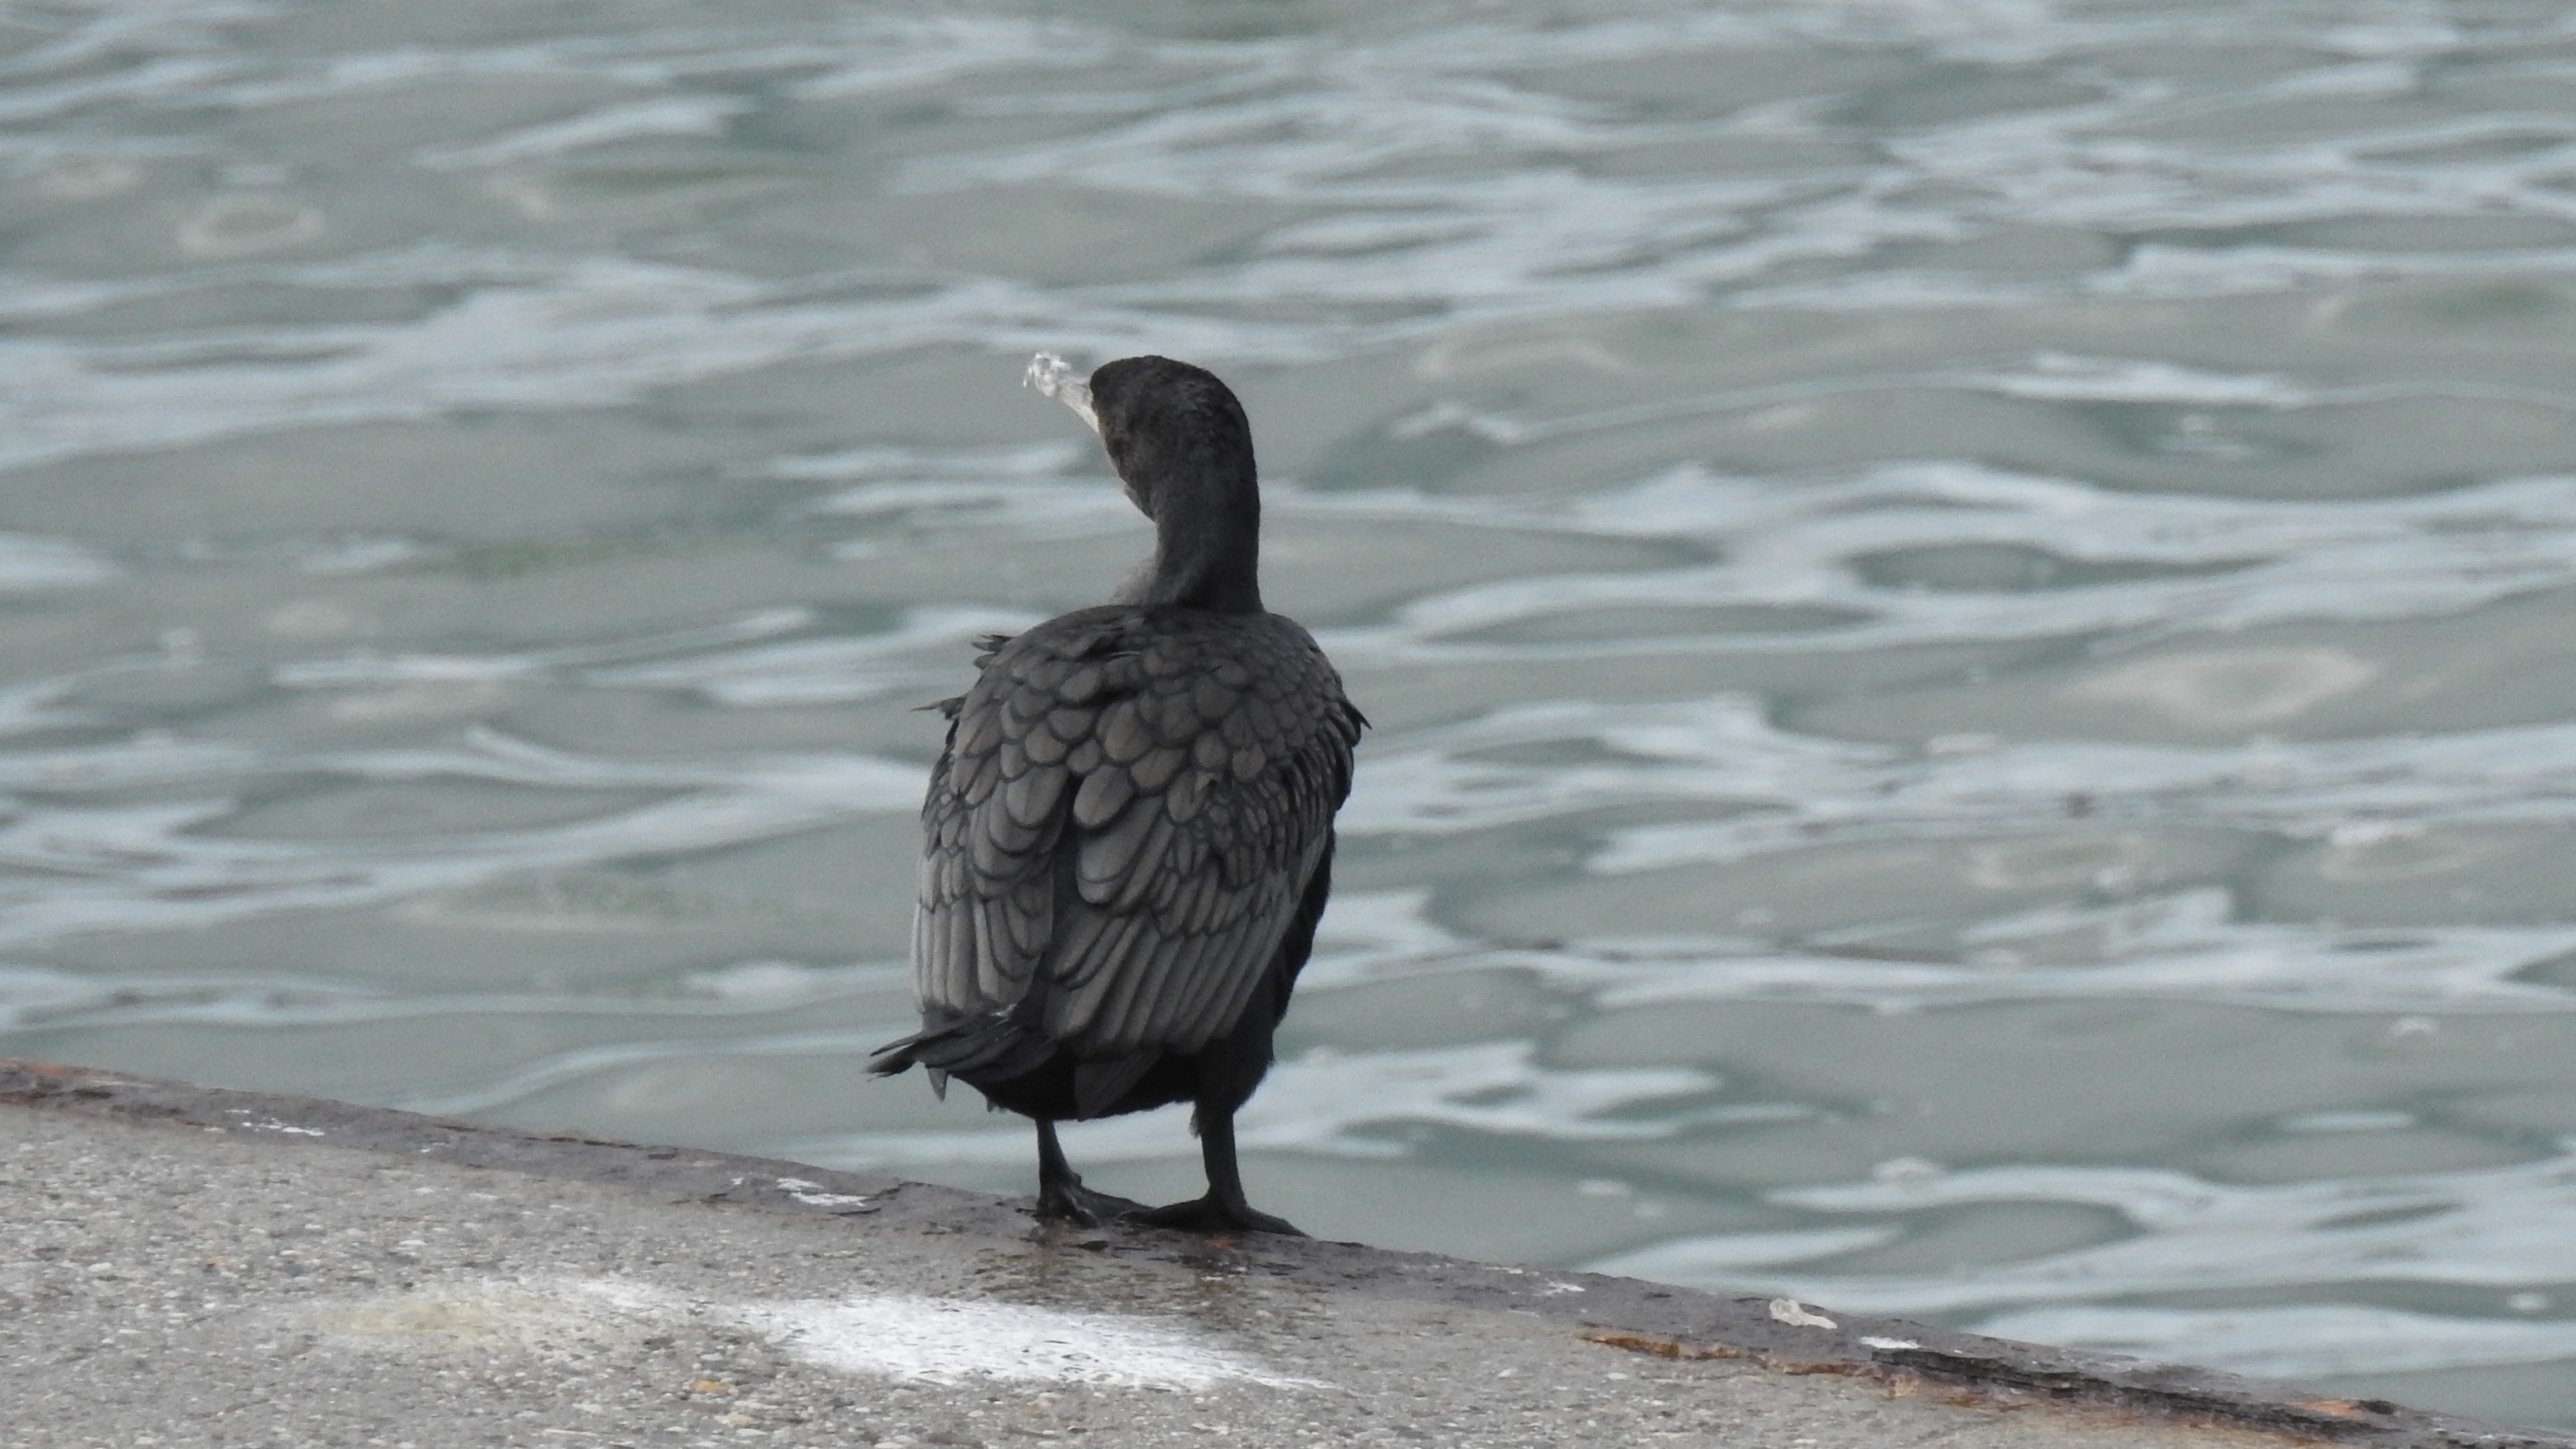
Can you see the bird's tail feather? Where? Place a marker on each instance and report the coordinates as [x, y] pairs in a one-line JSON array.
[[995, 1048], [992, 1046]]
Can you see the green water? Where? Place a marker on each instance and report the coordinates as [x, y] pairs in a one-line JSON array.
[[1968, 606]]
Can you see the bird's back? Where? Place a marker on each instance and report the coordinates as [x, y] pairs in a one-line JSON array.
[[1126, 839]]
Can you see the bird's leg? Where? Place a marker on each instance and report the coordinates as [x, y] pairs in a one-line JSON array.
[[1223, 1209], [1061, 1195]]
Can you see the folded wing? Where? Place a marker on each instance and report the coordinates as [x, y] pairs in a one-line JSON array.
[[1125, 824]]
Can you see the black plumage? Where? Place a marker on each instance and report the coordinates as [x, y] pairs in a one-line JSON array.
[[1129, 838]]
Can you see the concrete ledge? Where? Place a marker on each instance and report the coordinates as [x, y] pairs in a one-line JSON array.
[[198, 1266]]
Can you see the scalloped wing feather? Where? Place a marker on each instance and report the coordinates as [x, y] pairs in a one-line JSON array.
[[1130, 877]]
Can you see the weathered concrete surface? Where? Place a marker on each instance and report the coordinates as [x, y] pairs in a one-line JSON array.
[[188, 1266]]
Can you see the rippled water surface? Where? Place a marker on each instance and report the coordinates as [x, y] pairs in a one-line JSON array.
[[1970, 604]]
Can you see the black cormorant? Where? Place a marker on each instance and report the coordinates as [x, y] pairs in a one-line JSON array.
[[1129, 836]]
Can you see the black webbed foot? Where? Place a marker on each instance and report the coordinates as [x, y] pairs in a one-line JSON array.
[[1061, 1196], [1223, 1209], [1211, 1214], [1071, 1202]]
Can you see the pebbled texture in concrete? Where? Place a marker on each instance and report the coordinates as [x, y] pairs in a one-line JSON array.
[[188, 1266]]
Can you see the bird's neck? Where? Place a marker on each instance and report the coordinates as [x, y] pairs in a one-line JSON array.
[[1207, 545]]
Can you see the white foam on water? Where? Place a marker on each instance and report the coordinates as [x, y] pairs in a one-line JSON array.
[[2158, 946], [2304, 1343], [2500, 1229], [1787, 791], [29, 565], [1353, 1104], [1360, 141], [2193, 562], [668, 116], [108, 865]]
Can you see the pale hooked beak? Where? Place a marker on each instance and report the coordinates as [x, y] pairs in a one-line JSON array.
[[1054, 377]]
